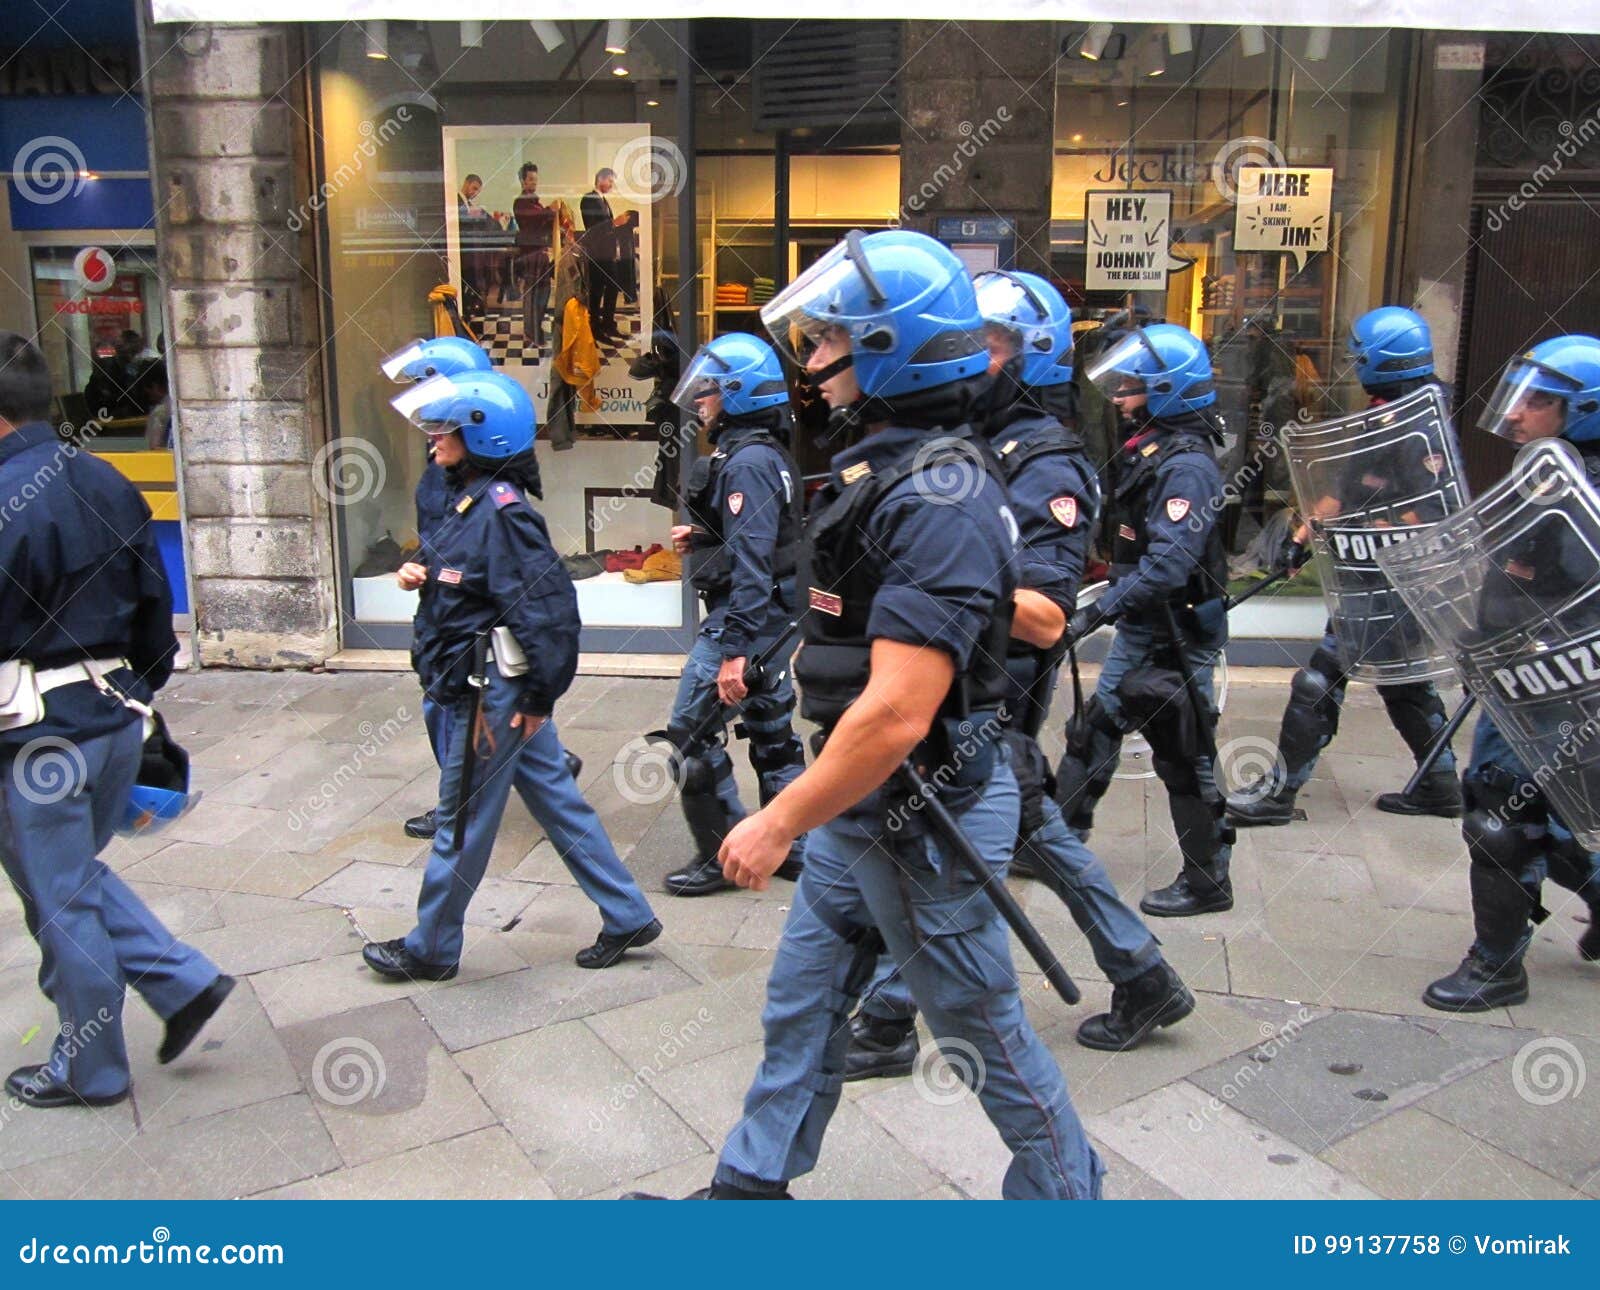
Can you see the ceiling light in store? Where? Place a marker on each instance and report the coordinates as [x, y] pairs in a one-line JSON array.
[[652, 102], [619, 71], [471, 34], [1077, 138], [1094, 41], [617, 36], [375, 31], [549, 34], [1153, 59], [1180, 39], [1317, 41], [1252, 41], [1122, 102]]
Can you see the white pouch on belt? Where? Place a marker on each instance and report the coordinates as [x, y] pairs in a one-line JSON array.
[[508, 655], [21, 703]]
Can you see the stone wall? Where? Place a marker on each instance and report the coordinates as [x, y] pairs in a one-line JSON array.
[[978, 106], [230, 159]]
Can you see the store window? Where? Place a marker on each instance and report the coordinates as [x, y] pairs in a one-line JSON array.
[[529, 170], [1181, 117]]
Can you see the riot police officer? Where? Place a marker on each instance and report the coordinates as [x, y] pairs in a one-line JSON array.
[[911, 573], [744, 506], [1168, 580], [496, 645], [85, 638], [1392, 352], [1055, 495], [1514, 836]]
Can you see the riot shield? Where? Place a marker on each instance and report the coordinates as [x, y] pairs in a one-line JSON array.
[[1366, 482], [1509, 588]]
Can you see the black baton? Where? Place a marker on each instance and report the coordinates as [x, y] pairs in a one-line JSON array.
[[478, 679], [967, 856], [1441, 741]]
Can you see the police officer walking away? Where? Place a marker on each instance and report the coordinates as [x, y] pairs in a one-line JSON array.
[[497, 644], [1055, 496], [1392, 350], [85, 632], [1515, 838], [1168, 582], [744, 504], [912, 571]]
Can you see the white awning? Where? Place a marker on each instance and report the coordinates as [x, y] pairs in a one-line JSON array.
[[1571, 16]]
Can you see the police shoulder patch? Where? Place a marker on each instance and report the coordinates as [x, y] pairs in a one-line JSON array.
[[1065, 509], [502, 494], [1177, 508], [735, 502]]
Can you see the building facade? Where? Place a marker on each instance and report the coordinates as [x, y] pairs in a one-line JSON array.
[[314, 185]]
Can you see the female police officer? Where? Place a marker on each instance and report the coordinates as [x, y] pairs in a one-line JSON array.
[[491, 566], [911, 571]]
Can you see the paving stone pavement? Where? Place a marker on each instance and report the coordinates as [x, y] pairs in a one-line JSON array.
[[1309, 1069]]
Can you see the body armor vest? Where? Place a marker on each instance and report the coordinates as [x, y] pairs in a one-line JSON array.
[[1127, 520], [711, 563], [841, 580]]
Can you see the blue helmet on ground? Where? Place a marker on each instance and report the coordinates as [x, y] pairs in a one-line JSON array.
[[493, 413], [160, 792], [1553, 389], [1030, 315], [441, 356], [904, 301], [1169, 364], [1390, 344], [743, 369]]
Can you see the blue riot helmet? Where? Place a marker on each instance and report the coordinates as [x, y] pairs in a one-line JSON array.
[[743, 370], [1553, 389], [441, 356], [493, 413], [905, 303], [1033, 319], [1390, 344], [1169, 364], [160, 792]]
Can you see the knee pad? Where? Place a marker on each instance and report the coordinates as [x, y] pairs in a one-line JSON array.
[[1416, 711], [1319, 685], [776, 764], [1494, 842]]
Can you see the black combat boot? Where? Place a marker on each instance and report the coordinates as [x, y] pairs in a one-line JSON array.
[[1193, 893], [1438, 794], [1477, 986], [424, 825], [1259, 803], [880, 1049], [702, 878], [1205, 842], [1501, 909], [1156, 997]]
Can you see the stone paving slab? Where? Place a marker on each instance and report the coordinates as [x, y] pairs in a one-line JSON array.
[[486, 1165]]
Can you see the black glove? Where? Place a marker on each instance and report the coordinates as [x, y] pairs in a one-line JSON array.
[[1085, 622], [1293, 556]]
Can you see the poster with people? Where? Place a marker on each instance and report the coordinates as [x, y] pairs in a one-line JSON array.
[[550, 253]]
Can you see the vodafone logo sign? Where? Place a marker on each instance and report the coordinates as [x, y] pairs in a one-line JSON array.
[[95, 269]]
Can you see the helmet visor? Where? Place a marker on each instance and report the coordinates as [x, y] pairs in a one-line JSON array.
[[1121, 369], [427, 405], [797, 318], [1530, 403], [396, 366], [700, 380]]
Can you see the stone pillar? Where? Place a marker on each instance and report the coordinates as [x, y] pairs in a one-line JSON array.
[[1438, 209], [230, 158], [979, 105]]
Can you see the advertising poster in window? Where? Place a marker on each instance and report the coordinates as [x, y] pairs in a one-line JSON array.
[[550, 252]]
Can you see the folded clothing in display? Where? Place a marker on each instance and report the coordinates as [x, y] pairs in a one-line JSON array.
[[733, 293], [762, 290], [659, 566], [585, 564], [622, 561]]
